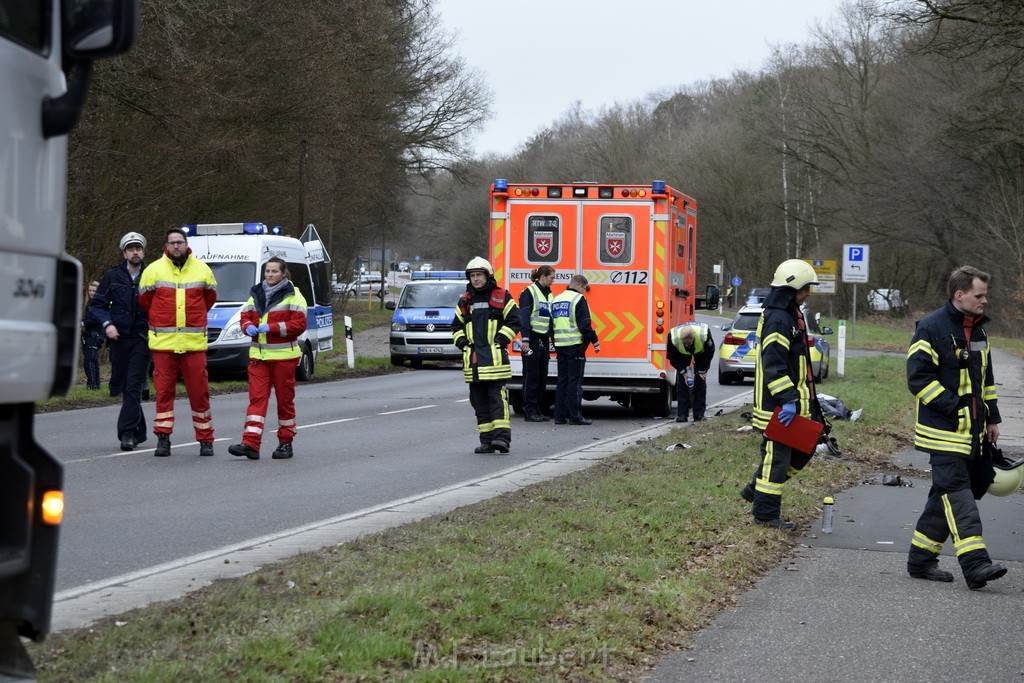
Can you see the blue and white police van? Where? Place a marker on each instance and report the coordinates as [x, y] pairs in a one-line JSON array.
[[421, 327], [236, 253]]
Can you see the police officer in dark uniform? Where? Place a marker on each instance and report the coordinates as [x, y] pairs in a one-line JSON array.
[[690, 351], [573, 331], [115, 309]]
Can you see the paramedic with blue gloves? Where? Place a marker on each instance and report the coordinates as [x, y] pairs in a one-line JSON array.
[[275, 318], [783, 379]]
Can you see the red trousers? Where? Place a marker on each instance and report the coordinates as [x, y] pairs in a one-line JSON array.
[[167, 366], [264, 375]]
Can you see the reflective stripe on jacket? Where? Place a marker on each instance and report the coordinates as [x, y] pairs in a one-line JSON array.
[[949, 376], [563, 319], [177, 300], [703, 347], [537, 318], [486, 321], [780, 375], [285, 313]]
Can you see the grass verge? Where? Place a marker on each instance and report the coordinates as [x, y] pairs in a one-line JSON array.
[[589, 576]]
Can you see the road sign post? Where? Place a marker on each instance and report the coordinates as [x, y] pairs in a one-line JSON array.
[[855, 270]]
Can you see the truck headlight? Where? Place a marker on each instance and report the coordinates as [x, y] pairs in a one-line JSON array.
[[399, 327], [232, 332]]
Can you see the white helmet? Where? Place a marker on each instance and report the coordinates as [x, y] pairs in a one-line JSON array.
[[795, 273], [479, 263], [132, 238], [1008, 475]]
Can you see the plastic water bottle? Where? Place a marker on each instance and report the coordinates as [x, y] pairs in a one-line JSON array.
[[826, 515], [689, 376]]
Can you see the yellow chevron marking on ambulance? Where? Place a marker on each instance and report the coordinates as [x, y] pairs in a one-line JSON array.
[[596, 323], [638, 327], [597, 277], [616, 327]]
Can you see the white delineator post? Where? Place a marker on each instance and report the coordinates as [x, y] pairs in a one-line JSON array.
[[841, 370], [349, 349]]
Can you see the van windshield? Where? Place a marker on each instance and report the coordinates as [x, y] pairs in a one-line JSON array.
[[234, 280], [432, 295]]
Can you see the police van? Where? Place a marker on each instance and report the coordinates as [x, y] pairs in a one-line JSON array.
[[236, 253], [421, 328]]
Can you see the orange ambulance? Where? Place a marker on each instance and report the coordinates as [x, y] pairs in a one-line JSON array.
[[635, 244]]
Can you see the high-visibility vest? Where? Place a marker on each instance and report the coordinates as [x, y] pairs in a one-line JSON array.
[[563, 318], [287, 321], [177, 300], [675, 337], [540, 316]]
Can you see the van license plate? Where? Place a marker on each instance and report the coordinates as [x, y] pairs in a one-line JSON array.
[[430, 349]]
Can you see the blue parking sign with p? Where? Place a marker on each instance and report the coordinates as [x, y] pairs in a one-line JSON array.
[[856, 254]]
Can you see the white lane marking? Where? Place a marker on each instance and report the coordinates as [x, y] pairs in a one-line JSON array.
[[407, 410], [137, 451], [329, 422]]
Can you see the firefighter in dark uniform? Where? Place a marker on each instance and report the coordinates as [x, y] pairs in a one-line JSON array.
[[782, 378], [486, 321], [690, 351], [949, 370], [535, 315]]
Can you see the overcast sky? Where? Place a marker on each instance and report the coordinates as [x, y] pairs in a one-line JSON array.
[[540, 56]]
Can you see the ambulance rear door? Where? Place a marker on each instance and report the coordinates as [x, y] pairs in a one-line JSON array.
[[616, 254]]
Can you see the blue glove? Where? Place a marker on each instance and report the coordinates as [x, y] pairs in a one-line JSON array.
[[263, 328], [787, 413], [252, 331]]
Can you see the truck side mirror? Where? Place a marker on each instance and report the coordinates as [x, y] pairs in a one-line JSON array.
[[99, 28]]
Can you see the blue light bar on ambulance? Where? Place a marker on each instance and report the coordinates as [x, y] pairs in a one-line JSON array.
[[658, 187], [254, 229], [501, 185], [277, 230], [189, 230]]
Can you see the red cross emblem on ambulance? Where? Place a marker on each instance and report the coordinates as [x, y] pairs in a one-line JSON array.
[[542, 242]]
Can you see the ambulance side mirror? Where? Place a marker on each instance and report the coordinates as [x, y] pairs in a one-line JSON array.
[[712, 297]]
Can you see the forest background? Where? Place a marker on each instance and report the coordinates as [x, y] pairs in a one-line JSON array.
[[899, 124]]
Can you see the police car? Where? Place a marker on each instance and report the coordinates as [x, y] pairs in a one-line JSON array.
[[421, 327], [236, 253], [737, 354]]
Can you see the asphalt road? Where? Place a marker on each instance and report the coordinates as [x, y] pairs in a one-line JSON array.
[[362, 443]]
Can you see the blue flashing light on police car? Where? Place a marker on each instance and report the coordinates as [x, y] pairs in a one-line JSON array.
[[254, 228], [189, 229]]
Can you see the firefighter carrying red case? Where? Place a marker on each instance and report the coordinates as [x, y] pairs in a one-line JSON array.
[[802, 434]]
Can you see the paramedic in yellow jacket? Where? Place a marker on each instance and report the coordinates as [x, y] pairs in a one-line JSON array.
[[177, 290], [486, 321]]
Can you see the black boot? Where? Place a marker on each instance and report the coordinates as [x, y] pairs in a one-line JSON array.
[[206, 448], [128, 441], [163, 445], [244, 449], [283, 451]]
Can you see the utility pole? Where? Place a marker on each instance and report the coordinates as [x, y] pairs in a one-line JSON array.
[[302, 196]]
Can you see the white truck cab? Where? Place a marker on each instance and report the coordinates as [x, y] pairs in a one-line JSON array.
[[45, 45], [236, 253]]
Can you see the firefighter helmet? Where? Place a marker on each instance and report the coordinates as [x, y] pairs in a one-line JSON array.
[[794, 273], [1008, 476], [132, 238], [479, 263]]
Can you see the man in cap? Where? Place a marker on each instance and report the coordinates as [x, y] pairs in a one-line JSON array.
[[486, 321], [115, 310], [570, 319]]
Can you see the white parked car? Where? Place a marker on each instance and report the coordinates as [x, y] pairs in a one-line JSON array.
[[426, 267]]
